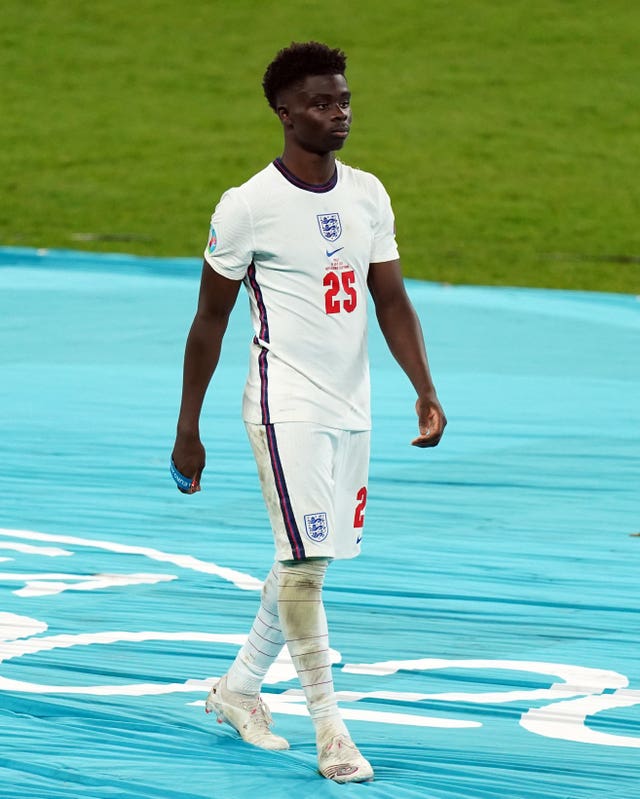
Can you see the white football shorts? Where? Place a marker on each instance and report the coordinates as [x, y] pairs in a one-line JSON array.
[[314, 484]]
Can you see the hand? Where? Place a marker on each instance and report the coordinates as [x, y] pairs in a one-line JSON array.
[[189, 458], [431, 422]]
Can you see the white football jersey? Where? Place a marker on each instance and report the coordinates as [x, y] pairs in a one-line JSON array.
[[303, 252]]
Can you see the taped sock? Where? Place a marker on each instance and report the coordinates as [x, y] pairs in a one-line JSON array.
[[263, 645], [304, 623]]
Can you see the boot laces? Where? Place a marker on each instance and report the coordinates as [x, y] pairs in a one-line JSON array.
[[259, 714]]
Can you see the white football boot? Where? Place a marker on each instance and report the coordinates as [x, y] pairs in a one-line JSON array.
[[340, 760], [247, 714]]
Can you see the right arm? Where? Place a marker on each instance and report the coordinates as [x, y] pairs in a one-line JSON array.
[[215, 302]]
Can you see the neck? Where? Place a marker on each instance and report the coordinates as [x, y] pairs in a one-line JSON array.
[[312, 168]]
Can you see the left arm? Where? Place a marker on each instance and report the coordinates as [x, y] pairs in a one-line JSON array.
[[401, 328]]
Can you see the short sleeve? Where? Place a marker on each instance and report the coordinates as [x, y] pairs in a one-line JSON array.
[[384, 246], [229, 248]]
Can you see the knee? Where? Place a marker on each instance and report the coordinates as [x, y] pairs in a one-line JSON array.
[[305, 574]]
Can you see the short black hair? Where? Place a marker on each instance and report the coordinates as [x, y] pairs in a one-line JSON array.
[[297, 62]]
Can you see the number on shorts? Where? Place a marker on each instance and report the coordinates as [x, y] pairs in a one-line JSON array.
[[358, 518]]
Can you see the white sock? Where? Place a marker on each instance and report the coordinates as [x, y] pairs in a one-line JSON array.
[[263, 645], [304, 624]]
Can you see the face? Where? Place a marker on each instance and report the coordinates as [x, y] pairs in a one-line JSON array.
[[316, 113]]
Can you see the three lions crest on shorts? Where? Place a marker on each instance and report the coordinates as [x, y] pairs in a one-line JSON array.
[[316, 526]]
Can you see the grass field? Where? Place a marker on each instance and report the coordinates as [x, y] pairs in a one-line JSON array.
[[507, 133]]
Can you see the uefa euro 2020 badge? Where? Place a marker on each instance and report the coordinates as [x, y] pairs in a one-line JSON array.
[[330, 226], [213, 240], [316, 526]]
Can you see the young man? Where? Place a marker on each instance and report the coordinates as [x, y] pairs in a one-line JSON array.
[[307, 236]]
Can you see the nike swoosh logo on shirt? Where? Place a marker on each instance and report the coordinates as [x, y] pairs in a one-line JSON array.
[[333, 252]]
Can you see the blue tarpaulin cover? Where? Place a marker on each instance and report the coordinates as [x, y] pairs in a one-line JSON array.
[[486, 642]]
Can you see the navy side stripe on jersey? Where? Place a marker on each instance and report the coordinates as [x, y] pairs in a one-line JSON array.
[[264, 335], [293, 534]]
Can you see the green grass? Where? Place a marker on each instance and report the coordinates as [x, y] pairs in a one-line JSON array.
[[507, 133]]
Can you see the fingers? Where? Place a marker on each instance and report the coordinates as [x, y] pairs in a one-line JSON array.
[[429, 439], [431, 423], [193, 488], [430, 435], [185, 484]]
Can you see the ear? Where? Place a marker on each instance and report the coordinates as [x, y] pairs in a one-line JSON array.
[[283, 114]]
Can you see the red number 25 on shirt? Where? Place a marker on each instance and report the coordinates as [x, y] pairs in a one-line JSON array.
[[333, 282]]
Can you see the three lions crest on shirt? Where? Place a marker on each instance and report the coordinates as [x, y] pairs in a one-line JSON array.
[[330, 226]]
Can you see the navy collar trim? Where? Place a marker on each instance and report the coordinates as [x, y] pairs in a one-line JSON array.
[[301, 184]]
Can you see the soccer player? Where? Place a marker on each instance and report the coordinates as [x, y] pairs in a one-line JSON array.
[[308, 236]]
